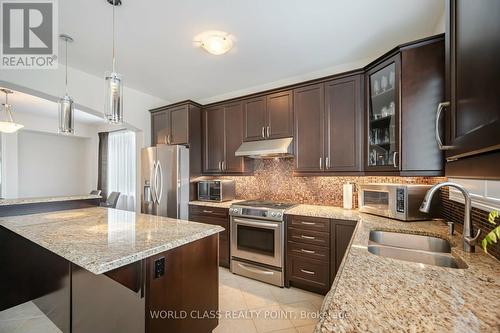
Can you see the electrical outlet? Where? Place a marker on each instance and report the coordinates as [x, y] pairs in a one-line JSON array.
[[159, 267]]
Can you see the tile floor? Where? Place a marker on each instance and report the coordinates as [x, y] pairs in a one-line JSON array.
[[246, 306], [249, 306]]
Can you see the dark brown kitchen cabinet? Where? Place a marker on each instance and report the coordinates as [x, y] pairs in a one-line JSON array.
[[344, 124], [223, 134], [341, 234], [254, 119], [217, 216], [309, 117], [268, 117], [472, 79], [403, 90], [315, 249], [179, 124], [160, 124], [328, 126], [171, 124]]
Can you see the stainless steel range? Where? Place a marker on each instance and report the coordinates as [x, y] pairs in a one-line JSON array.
[[258, 240]]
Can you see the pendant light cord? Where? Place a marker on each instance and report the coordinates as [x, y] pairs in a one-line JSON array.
[[114, 5], [66, 78]]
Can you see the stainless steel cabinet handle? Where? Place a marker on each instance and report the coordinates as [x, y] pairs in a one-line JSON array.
[[395, 160], [307, 251], [327, 162], [321, 163], [440, 108], [307, 272], [308, 223], [223, 165], [220, 165], [263, 132], [268, 131], [307, 237], [208, 211]]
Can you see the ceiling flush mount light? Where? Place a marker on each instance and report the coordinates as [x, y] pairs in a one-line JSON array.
[[113, 105], [215, 42], [7, 123], [66, 112]]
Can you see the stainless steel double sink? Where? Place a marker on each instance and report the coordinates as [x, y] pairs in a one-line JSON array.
[[415, 248]]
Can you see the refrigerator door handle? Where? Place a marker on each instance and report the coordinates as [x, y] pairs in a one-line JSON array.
[[160, 195], [153, 185]]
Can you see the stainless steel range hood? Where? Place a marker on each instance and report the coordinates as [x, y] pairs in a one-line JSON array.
[[266, 148]]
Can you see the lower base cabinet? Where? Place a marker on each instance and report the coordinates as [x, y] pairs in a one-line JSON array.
[[314, 251], [217, 216]]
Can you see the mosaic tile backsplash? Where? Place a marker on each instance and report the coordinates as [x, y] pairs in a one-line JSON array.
[[273, 180]]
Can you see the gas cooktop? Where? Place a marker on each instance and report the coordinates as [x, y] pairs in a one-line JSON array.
[[265, 204]]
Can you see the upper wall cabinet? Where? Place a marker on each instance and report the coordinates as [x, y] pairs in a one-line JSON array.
[[473, 97], [328, 126], [268, 117], [170, 124], [222, 135], [404, 89], [179, 124]]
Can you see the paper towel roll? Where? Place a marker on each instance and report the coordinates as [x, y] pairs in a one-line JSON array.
[[348, 189]]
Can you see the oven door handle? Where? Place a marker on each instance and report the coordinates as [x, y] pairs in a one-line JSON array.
[[256, 270], [256, 223]]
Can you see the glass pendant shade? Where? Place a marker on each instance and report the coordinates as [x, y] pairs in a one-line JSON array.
[[113, 107], [66, 112], [7, 123]]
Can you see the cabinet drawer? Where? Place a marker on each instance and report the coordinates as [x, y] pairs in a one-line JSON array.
[[310, 223], [309, 251], [309, 237], [208, 211], [311, 272]]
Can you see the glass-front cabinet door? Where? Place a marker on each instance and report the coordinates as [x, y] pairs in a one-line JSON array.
[[383, 116]]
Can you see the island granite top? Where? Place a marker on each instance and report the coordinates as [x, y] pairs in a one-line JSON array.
[[102, 239], [25, 201]]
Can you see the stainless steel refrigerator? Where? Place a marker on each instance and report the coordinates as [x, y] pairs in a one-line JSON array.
[[165, 181]]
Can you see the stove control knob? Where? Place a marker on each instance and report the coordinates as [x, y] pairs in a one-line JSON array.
[[273, 214], [279, 215]]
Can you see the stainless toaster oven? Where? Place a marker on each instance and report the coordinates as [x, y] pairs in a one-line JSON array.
[[397, 201]]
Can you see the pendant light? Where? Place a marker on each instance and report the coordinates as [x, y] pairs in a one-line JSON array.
[[7, 123], [113, 105], [66, 112]]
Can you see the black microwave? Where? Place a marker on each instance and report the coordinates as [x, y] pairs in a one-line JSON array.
[[216, 190]]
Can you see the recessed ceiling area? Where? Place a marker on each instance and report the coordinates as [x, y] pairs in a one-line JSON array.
[[275, 40], [32, 105]]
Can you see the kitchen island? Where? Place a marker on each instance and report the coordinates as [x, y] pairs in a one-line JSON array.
[[106, 270]]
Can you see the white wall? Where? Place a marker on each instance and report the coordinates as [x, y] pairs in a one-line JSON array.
[[14, 169], [53, 165]]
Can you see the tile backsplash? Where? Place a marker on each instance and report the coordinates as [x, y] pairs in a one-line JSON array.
[[273, 180]]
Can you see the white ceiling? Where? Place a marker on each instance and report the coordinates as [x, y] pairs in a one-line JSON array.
[[276, 39], [29, 104]]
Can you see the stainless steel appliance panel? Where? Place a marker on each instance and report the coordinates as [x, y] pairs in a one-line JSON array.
[[398, 201], [165, 181]]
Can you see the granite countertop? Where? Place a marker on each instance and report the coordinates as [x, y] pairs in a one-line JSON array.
[[24, 201], [329, 212], [376, 294], [225, 204], [102, 239]]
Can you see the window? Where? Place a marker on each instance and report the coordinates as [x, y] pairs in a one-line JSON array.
[[122, 168]]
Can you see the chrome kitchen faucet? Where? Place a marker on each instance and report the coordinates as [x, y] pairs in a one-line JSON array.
[[469, 241]]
